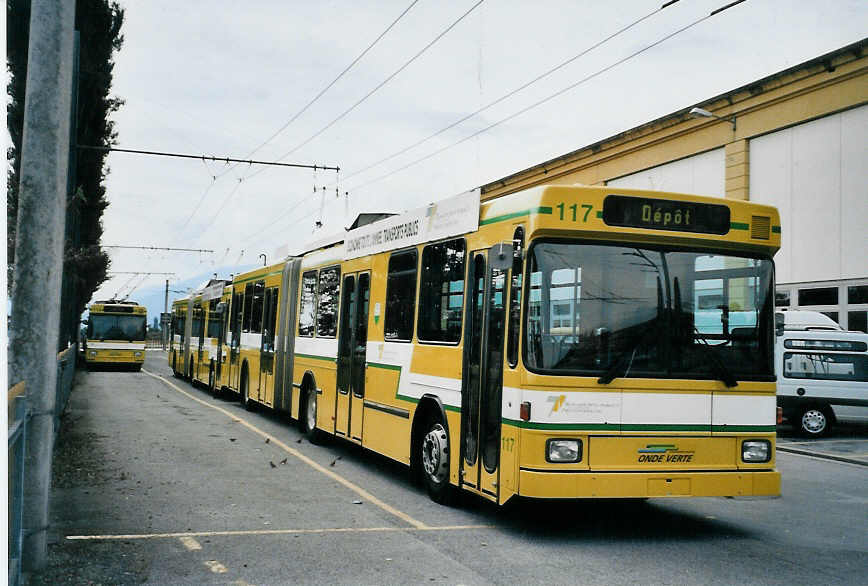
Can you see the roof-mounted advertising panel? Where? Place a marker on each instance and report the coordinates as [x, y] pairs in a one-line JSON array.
[[449, 217]]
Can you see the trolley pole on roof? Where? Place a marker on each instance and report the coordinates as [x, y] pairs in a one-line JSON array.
[[39, 253]]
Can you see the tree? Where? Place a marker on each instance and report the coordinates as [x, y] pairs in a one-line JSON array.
[[85, 263]]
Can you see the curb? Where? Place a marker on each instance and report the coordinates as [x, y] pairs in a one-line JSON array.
[[822, 456]]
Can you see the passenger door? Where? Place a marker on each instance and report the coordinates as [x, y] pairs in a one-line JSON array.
[[266, 347], [352, 350], [483, 376]]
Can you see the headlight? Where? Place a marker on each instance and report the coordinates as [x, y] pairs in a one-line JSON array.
[[563, 450], [756, 451], [138, 354], [93, 353]]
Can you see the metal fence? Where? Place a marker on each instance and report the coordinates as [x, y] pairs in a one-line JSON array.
[[19, 417], [17, 435]]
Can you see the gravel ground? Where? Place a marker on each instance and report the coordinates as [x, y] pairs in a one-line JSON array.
[[81, 467]]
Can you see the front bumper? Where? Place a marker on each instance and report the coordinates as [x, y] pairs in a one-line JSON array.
[[545, 484]]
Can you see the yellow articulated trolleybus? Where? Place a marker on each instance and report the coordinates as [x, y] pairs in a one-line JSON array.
[[115, 334], [559, 342], [195, 344]]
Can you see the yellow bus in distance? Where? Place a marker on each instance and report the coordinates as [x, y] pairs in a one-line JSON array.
[[558, 342], [115, 334]]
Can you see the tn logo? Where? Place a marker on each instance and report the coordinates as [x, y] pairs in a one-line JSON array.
[[557, 402]]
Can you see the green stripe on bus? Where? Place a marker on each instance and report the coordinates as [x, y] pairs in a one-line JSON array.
[[636, 427], [315, 357], [396, 368], [562, 426], [738, 226], [504, 217], [776, 229]]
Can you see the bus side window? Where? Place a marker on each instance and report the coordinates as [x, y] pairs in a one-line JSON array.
[[441, 292], [401, 296], [307, 307], [248, 307], [327, 312], [256, 307], [515, 298]]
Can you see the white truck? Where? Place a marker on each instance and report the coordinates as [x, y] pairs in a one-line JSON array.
[[822, 372]]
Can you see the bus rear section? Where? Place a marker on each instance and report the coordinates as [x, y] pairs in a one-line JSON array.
[[822, 378], [116, 333]]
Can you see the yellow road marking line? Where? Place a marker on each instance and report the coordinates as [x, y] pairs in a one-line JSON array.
[[190, 543], [243, 532], [216, 566], [331, 474]]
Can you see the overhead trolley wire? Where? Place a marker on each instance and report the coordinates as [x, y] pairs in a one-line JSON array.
[[511, 93], [329, 86], [550, 97], [376, 88]]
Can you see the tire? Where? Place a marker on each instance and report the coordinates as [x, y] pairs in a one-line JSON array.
[[434, 457], [212, 382], [245, 391], [814, 421], [307, 418]]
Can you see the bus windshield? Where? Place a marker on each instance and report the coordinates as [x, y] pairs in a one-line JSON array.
[[116, 327], [644, 311]]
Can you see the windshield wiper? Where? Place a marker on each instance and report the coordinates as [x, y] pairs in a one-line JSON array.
[[621, 362], [718, 366]]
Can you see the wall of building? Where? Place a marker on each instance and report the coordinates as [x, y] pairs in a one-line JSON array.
[[796, 140]]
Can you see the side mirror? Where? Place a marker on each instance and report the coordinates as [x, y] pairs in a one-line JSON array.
[[779, 324], [221, 308], [500, 256]]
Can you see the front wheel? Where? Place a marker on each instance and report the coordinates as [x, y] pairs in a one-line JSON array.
[[435, 463], [814, 422]]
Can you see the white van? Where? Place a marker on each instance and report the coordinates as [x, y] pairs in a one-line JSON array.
[[822, 377]]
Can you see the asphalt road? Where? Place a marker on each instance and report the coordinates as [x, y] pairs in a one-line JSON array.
[[157, 482]]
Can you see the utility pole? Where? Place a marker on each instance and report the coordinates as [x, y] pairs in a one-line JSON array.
[[39, 252], [164, 321]]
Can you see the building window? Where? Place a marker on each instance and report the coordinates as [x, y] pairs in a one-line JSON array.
[[857, 294], [857, 320], [831, 314], [401, 296], [782, 299], [327, 310], [441, 292], [307, 313], [818, 296]]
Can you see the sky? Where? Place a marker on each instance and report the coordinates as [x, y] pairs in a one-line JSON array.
[[284, 81]]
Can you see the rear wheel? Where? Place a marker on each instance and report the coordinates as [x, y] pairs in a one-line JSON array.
[[212, 381], [814, 421], [245, 391], [308, 418], [435, 462]]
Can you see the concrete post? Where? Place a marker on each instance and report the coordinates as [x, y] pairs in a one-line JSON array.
[[39, 252], [165, 329]]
